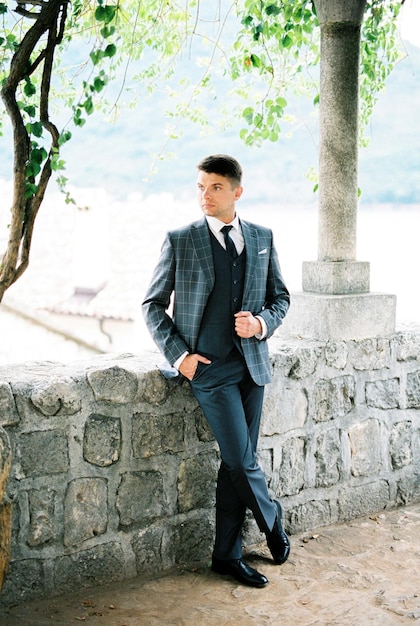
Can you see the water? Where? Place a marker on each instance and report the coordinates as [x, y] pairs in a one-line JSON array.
[[124, 240]]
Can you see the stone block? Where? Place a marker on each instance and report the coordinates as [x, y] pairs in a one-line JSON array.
[[156, 388], [334, 398], [291, 477], [383, 394], [113, 384], [371, 354], [156, 434], [310, 515], [42, 452], [56, 396], [400, 444], [97, 566], [408, 487], [336, 277], [24, 580], [193, 540], [413, 390], [328, 459], [407, 346], [305, 360], [102, 440], [202, 427], [265, 460], [42, 516], [85, 510], [359, 500], [147, 548], [340, 317], [141, 498], [365, 448], [336, 354], [9, 415], [197, 481], [285, 407]]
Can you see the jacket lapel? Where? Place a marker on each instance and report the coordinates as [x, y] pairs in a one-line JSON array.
[[251, 246]]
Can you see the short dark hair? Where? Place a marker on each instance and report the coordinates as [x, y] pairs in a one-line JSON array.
[[222, 164]]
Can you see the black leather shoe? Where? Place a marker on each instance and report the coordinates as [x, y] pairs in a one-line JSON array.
[[240, 570], [277, 540]]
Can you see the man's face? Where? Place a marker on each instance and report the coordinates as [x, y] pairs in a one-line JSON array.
[[216, 196]]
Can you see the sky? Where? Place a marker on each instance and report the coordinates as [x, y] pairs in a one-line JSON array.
[[410, 21]]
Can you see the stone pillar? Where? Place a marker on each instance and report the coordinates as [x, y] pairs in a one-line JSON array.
[[334, 303]]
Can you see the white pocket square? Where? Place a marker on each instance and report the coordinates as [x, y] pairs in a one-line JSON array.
[[263, 251]]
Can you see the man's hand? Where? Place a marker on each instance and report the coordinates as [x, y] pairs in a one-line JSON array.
[[190, 363], [246, 325]]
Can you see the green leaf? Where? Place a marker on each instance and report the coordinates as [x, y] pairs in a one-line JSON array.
[[110, 50], [32, 169], [272, 9], [258, 120], [30, 110], [98, 84], [3, 8], [105, 13], [38, 155], [88, 105], [107, 31], [64, 137], [248, 114], [36, 129], [78, 119], [100, 14], [30, 190], [287, 41], [96, 56], [29, 88]]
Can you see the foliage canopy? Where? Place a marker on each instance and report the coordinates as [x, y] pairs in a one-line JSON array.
[[60, 56]]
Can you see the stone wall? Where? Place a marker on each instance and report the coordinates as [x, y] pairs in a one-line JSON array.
[[114, 468]]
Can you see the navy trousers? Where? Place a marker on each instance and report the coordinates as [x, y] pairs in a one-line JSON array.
[[232, 404]]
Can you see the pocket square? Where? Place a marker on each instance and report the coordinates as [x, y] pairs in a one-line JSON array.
[[263, 251]]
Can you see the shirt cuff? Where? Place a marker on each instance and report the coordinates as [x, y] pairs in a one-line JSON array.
[[179, 360], [264, 332]]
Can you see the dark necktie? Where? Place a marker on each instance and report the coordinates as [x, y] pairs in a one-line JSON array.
[[230, 246]]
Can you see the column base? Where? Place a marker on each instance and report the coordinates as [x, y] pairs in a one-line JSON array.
[[340, 317], [335, 277]]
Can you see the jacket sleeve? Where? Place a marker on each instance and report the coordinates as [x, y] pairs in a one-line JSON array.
[[277, 298], [157, 302]]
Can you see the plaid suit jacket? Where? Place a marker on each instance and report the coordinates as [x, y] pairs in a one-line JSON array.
[[183, 279]]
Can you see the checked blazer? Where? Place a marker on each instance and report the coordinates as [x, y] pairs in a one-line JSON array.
[[185, 273]]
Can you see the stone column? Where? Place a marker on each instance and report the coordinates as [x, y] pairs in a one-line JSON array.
[[336, 303]]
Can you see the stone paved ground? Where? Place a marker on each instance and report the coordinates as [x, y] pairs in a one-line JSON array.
[[366, 572]]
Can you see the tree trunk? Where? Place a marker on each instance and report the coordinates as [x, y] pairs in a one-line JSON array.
[[5, 505], [29, 190]]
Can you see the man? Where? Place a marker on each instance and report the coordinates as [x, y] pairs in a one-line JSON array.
[[229, 297]]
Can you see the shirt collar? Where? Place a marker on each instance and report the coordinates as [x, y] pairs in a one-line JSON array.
[[216, 225]]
